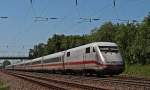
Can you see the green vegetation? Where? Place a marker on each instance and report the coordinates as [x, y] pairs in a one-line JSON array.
[[3, 87], [138, 70], [1, 83], [5, 63]]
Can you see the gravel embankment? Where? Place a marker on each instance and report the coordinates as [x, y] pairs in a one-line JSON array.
[[15, 83]]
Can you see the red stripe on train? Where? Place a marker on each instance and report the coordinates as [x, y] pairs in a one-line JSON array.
[[75, 63], [67, 63]]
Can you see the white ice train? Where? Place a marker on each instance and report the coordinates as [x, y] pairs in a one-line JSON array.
[[101, 58]]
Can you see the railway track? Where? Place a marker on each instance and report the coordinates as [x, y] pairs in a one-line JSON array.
[[68, 82], [114, 82], [125, 76], [144, 85], [54, 83], [135, 83]]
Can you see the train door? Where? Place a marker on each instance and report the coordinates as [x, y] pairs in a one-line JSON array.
[[84, 60], [89, 58], [62, 60], [42, 62], [31, 66], [74, 59]]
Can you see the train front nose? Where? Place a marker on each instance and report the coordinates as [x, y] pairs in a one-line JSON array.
[[112, 60], [113, 69]]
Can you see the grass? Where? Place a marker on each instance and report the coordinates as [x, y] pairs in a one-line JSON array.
[[3, 87], [138, 70]]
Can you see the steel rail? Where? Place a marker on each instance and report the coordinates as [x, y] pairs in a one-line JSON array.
[[40, 80], [37, 81]]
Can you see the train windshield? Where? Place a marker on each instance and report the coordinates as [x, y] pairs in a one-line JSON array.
[[111, 54], [109, 49]]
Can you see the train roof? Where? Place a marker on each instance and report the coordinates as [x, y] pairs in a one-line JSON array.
[[36, 59], [53, 55], [47, 56], [94, 44], [106, 44]]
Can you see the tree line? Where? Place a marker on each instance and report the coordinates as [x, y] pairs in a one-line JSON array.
[[133, 39]]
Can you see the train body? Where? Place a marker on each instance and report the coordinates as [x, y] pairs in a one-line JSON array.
[[99, 57]]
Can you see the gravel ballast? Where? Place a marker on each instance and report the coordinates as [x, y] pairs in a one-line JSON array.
[[15, 83]]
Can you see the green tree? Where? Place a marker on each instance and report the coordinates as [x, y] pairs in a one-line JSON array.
[[38, 51], [6, 63], [105, 33], [125, 37]]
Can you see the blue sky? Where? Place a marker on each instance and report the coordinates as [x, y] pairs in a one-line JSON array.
[[19, 32]]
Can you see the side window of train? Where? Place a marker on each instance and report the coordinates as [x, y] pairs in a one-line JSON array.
[[68, 54], [37, 62], [88, 50], [56, 59]]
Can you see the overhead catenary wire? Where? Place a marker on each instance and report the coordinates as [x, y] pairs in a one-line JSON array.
[[115, 10], [45, 18], [42, 17], [117, 18], [126, 20], [97, 16], [31, 25], [3, 17], [25, 18], [116, 14], [96, 19], [9, 50], [76, 2], [20, 33], [114, 2], [32, 7], [43, 12], [90, 19], [31, 2]]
